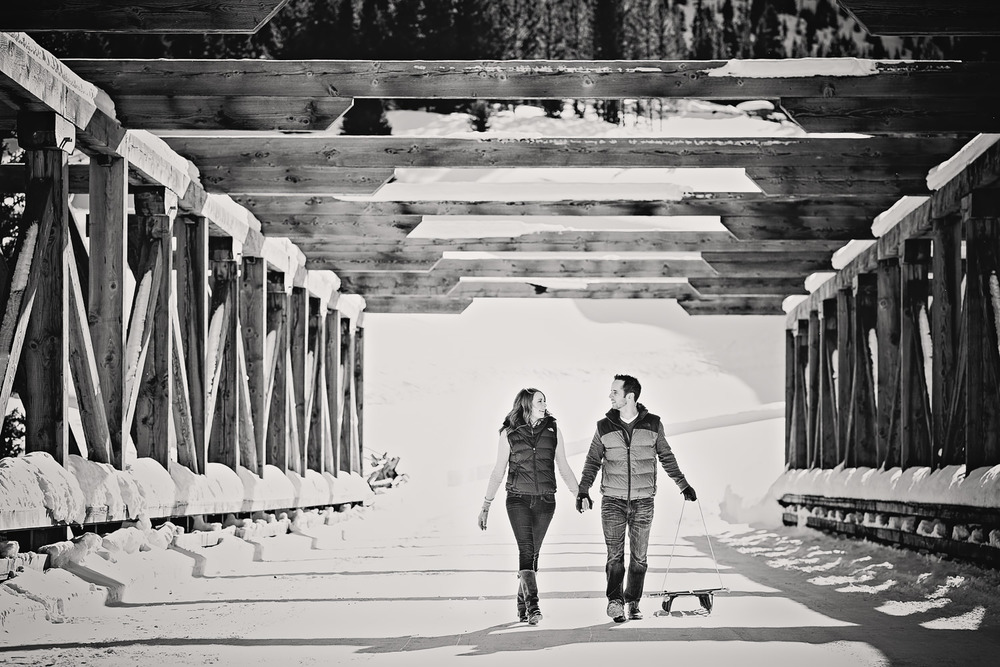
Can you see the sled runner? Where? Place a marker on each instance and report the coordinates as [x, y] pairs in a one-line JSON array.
[[706, 596]]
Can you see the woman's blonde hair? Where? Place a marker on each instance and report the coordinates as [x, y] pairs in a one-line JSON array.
[[520, 413]]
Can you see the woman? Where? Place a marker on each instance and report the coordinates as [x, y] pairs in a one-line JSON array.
[[531, 444]]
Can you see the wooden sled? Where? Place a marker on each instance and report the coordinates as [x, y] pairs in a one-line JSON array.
[[706, 597]]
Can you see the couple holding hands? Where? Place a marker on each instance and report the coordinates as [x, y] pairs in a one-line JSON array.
[[626, 445]]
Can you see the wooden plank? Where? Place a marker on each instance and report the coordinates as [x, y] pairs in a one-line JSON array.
[[346, 398], [288, 396], [982, 241], [592, 290], [314, 406], [37, 220], [863, 419], [813, 391], [106, 301], [298, 346], [921, 17], [332, 391], [433, 304], [223, 396], [515, 265], [288, 153], [83, 366], [311, 210], [846, 331], [746, 286], [278, 179], [789, 395], [247, 436], [253, 326], [543, 79], [915, 417], [277, 332], [142, 16], [798, 453], [152, 229], [45, 352], [206, 113], [359, 396], [888, 363], [838, 228], [187, 452], [889, 115], [191, 261], [945, 322], [767, 264], [897, 179], [827, 455], [732, 305]]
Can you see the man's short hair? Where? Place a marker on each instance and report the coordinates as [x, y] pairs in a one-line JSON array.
[[630, 385]]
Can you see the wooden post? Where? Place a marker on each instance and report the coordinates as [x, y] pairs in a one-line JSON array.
[[915, 416], [253, 323], [276, 436], [317, 352], [826, 425], [333, 391], [845, 375], [107, 286], [48, 139], [298, 346], [812, 392], [789, 393], [887, 364], [152, 232], [346, 373], [800, 418], [224, 390], [863, 406], [981, 212], [947, 379], [359, 390], [192, 310]]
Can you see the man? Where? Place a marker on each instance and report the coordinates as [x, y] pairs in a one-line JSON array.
[[625, 446]]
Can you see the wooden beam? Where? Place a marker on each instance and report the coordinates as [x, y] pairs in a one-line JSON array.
[[312, 210], [789, 395], [346, 398], [332, 382], [863, 420], [915, 418], [277, 345], [359, 396], [298, 349], [592, 290], [889, 115], [276, 179], [767, 264], [798, 453], [246, 113], [846, 332], [106, 301], [879, 179], [515, 266], [46, 341], [288, 153], [826, 419], [223, 397], [981, 214], [314, 444], [253, 327], [152, 229], [544, 79], [748, 286], [142, 16], [733, 305], [813, 390], [192, 266], [888, 363], [925, 17], [946, 323]]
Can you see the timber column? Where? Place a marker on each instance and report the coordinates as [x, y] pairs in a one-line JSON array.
[[48, 139]]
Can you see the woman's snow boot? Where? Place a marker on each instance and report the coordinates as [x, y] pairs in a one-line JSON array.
[[522, 610], [530, 586]]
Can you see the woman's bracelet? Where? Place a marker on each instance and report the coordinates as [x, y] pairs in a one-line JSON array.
[[486, 502]]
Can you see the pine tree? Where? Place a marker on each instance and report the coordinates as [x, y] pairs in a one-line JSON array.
[[366, 117], [373, 28], [704, 33], [608, 23], [768, 42]]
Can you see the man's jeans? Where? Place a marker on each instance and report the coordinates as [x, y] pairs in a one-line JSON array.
[[616, 516], [529, 519]]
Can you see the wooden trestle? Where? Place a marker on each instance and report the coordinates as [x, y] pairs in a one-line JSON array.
[[180, 331]]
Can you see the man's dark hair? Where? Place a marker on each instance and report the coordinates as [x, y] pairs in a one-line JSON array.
[[630, 385]]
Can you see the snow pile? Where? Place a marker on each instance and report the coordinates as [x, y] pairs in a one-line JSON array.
[[225, 486], [102, 495], [21, 501], [315, 491], [278, 490], [193, 491], [61, 492], [332, 484], [948, 486], [352, 488], [253, 490], [796, 68], [953, 166], [155, 487]]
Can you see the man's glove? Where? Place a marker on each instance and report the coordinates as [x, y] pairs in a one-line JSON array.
[[581, 498], [689, 494]]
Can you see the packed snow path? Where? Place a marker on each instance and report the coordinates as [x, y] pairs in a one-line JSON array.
[[416, 585]]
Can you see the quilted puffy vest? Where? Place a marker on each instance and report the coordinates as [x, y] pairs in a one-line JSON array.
[[531, 467]]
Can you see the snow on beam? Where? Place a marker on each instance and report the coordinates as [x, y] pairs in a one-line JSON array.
[[982, 171]]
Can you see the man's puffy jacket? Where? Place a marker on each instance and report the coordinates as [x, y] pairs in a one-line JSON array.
[[628, 465]]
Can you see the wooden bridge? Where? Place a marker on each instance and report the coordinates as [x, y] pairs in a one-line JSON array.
[[207, 305]]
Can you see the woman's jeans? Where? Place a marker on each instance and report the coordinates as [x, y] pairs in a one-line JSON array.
[[637, 517], [529, 519]]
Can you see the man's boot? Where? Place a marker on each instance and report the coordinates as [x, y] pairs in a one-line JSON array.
[[530, 584], [522, 610]]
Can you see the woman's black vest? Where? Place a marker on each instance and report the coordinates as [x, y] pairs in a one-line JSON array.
[[531, 469]]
